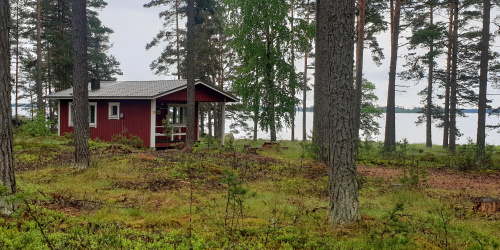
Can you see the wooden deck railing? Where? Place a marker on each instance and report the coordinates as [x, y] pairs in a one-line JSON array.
[[177, 132]]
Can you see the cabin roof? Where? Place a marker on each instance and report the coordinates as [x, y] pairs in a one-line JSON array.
[[136, 90]]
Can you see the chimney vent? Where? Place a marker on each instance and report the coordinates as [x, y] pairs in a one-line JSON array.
[[95, 84]]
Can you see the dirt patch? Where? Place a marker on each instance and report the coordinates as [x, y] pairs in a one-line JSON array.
[[153, 185], [479, 184]]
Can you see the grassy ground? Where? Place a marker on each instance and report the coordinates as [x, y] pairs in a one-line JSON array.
[[214, 198]]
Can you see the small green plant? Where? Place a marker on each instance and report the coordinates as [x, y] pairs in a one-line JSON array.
[[234, 203], [129, 140], [413, 177], [168, 129], [467, 156], [37, 127], [308, 150], [395, 230], [69, 136]]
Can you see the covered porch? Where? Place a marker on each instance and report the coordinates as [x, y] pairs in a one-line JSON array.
[[169, 115]]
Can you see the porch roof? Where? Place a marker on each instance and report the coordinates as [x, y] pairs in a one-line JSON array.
[[137, 90]]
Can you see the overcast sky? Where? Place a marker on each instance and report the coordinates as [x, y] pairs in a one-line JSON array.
[[135, 26]]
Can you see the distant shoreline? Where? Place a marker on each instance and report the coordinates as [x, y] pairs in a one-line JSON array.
[[413, 110]]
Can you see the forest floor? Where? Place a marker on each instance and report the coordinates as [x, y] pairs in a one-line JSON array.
[[227, 198], [474, 183]]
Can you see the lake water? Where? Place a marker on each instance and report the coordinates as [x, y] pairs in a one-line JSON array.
[[405, 128]]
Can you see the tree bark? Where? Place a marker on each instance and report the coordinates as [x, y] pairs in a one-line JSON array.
[[270, 88], [178, 39], [292, 114], [80, 82], [390, 120], [190, 121], [359, 64], [428, 134], [39, 90], [453, 82], [304, 91], [7, 176], [446, 122], [209, 117], [17, 63], [334, 95], [255, 124], [483, 80]]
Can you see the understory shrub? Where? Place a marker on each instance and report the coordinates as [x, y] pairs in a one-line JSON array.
[[127, 139], [37, 127]]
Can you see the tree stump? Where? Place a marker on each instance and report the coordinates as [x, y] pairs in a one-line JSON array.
[[486, 205]]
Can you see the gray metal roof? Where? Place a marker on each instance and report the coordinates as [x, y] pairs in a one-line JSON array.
[[134, 90]]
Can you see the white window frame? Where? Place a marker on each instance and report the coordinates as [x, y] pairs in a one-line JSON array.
[[71, 117], [110, 110], [184, 106]]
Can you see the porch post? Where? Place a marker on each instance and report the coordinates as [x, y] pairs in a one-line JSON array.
[[152, 142], [223, 122], [197, 121]]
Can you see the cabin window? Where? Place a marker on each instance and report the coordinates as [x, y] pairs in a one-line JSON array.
[[177, 114], [114, 110], [92, 114]]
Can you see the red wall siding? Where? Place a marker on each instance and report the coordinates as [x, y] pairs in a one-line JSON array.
[[136, 120], [202, 94]]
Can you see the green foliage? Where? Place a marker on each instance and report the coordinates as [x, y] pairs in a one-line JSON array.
[[127, 139], [37, 127], [131, 201], [308, 150], [266, 80], [467, 157], [168, 129], [235, 198], [369, 112], [413, 177]]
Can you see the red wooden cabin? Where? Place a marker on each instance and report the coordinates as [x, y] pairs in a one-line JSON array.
[[138, 108]]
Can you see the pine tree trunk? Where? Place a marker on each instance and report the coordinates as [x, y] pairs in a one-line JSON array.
[[453, 82], [39, 90], [209, 117], [446, 122], [178, 39], [334, 95], [216, 121], [7, 176], [292, 114], [80, 84], [304, 91], [190, 121], [255, 124], [428, 139], [359, 65], [17, 63], [483, 80], [270, 89], [390, 125]]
